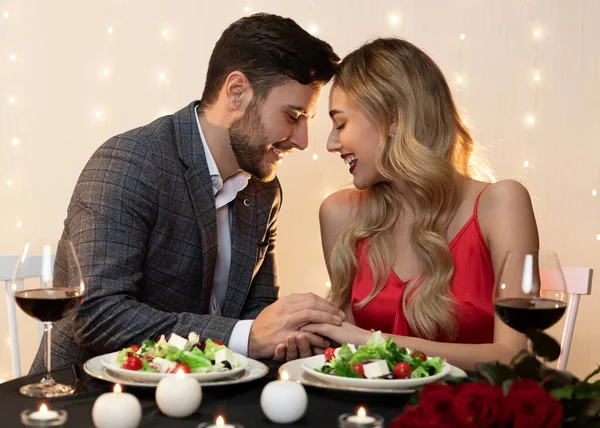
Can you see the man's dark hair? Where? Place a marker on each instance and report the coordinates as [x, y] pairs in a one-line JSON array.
[[269, 50]]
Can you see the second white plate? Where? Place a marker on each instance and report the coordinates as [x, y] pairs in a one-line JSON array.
[[303, 370]]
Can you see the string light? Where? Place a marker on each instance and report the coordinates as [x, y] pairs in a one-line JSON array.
[[537, 33], [328, 284], [459, 79], [9, 183], [325, 195], [394, 19], [13, 57], [98, 113], [162, 76], [315, 157], [110, 30], [526, 164], [8, 340], [463, 36], [312, 29], [6, 15], [247, 9], [536, 77], [11, 100], [19, 224], [598, 237], [594, 192], [106, 72], [530, 120], [164, 33], [15, 141]]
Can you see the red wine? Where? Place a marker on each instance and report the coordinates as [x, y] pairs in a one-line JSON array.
[[524, 313], [48, 304]]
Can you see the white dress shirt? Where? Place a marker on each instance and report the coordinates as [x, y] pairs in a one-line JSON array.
[[225, 192]]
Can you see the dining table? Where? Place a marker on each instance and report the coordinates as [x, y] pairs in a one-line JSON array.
[[239, 403]]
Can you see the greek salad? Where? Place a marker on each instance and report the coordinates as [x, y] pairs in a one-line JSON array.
[[379, 359], [190, 355]]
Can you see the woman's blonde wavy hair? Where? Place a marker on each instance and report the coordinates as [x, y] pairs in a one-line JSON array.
[[395, 83]]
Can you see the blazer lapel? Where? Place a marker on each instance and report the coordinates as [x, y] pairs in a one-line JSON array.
[[198, 180], [249, 222]]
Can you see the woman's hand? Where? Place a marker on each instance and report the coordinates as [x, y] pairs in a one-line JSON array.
[[344, 333]]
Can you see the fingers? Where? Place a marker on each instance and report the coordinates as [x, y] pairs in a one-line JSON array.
[[292, 347], [303, 345], [317, 341], [305, 316], [280, 351], [312, 301], [318, 351]]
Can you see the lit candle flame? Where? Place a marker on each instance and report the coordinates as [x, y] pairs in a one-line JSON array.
[[81, 287], [284, 375], [43, 408], [220, 421], [117, 389], [362, 412]]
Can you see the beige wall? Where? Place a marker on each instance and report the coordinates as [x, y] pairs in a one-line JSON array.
[[57, 79]]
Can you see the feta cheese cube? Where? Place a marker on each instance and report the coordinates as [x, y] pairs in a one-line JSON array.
[[162, 365], [224, 355], [375, 369], [177, 341], [352, 347]]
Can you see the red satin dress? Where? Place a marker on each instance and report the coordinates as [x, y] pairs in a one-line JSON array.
[[472, 286]]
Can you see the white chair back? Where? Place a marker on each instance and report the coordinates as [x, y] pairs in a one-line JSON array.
[[579, 282], [32, 268]]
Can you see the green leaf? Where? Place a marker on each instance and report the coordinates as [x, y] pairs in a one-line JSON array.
[[564, 393], [543, 345], [495, 373], [527, 367], [345, 353], [589, 412]]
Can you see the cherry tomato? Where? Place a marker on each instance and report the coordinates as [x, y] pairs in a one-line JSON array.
[[402, 370], [181, 366], [135, 347], [218, 342], [132, 363], [329, 354], [419, 354], [359, 368]]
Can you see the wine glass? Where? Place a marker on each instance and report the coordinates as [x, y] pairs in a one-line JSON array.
[[58, 292], [531, 291]]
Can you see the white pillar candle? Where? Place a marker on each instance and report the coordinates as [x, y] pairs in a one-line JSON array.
[[283, 401], [178, 396], [117, 410]]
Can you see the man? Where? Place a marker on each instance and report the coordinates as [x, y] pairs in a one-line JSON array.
[[174, 223]]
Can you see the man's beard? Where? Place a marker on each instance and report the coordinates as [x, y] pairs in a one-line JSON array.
[[250, 144]]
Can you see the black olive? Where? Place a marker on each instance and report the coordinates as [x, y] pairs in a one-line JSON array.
[[226, 364]]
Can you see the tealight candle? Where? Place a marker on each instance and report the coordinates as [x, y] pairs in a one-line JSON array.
[[360, 420], [43, 417], [178, 396], [219, 423], [117, 410], [283, 401]]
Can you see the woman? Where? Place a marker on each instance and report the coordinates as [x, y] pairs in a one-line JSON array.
[[414, 249]]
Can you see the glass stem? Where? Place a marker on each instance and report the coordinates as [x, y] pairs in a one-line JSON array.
[[47, 378]]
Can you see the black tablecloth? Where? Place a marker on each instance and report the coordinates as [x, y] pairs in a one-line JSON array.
[[239, 403]]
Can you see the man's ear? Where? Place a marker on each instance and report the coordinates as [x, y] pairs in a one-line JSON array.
[[237, 91]]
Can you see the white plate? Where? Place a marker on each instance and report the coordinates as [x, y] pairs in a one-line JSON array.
[[95, 368], [309, 364], [110, 362]]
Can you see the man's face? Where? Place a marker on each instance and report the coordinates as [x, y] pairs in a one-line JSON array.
[[270, 129]]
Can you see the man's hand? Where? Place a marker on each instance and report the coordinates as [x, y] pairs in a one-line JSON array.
[[276, 323]]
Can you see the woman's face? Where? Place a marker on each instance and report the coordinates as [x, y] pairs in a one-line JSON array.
[[356, 138]]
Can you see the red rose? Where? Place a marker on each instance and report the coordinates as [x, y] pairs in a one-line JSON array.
[[434, 409], [478, 404], [528, 405]]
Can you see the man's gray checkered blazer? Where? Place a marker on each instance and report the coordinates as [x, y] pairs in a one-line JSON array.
[[143, 222]]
